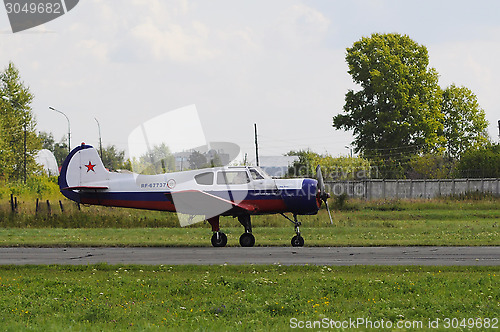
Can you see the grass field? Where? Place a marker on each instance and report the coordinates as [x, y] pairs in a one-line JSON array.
[[378, 223], [103, 297], [399, 233], [248, 298]]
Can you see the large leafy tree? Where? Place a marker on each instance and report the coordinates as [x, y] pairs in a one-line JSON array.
[[396, 113], [17, 126], [464, 121]]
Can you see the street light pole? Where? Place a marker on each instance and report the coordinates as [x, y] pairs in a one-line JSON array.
[[25, 129], [349, 148], [69, 130], [100, 141]]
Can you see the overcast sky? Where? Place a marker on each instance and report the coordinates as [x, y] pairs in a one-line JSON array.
[[277, 63]]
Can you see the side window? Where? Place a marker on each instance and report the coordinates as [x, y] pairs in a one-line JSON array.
[[232, 177], [205, 178]]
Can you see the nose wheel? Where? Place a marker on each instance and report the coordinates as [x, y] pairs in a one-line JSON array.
[[297, 240]]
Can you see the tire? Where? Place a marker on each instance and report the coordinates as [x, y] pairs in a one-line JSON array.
[[297, 241], [247, 240], [221, 241]]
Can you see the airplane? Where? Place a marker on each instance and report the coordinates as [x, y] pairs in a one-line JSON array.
[[239, 191]]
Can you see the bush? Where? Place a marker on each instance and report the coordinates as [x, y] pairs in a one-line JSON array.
[[37, 186], [342, 203]]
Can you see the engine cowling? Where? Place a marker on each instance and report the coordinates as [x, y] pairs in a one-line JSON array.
[[299, 195]]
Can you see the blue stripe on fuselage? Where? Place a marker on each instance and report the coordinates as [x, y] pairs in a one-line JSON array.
[[161, 196]]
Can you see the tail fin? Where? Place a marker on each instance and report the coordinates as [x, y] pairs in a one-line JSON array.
[[82, 169]]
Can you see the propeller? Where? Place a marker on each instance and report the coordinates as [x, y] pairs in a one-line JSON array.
[[323, 195]]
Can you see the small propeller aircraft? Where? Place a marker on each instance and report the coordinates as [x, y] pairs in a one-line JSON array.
[[239, 192]]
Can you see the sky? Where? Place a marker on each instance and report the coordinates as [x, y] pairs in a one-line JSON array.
[[279, 64]]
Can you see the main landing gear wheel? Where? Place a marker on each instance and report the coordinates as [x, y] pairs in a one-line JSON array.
[[219, 239], [247, 240], [297, 241]]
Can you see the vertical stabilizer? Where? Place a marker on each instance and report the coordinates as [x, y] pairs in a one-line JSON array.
[[82, 168]]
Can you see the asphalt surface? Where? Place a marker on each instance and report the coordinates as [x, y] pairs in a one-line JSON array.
[[257, 255]]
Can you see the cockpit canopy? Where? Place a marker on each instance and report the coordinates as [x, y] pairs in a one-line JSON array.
[[230, 176]]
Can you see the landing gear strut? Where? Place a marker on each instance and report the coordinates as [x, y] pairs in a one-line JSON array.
[[219, 239], [297, 240], [246, 239]]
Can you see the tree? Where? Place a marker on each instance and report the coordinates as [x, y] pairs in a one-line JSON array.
[[396, 113], [112, 158], [341, 168], [197, 160], [158, 160], [430, 166], [18, 126], [464, 121], [60, 150], [483, 162], [5, 154]]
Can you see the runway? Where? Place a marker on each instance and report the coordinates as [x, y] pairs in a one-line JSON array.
[[257, 255]]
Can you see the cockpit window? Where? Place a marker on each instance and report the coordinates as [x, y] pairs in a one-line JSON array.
[[232, 177], [256, 175], [205, 178]]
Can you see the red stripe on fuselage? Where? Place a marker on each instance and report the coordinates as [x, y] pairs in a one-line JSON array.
[[148, 205], [262, 205]]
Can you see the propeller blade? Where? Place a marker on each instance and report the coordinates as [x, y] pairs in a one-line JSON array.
[[321, 183], [328, 209], [322, 192]]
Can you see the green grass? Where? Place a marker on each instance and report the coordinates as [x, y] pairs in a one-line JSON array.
[[103, 297], [377, 223], [373, 233], [245, 298]]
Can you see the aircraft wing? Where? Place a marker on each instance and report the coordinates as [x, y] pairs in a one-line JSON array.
[[195, 202]]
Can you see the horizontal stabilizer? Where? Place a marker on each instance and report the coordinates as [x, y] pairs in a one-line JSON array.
[[85, 188]]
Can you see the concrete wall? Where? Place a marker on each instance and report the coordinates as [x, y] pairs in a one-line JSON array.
[[380, 189]]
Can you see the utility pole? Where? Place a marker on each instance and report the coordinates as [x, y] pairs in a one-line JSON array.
[[256, 145]]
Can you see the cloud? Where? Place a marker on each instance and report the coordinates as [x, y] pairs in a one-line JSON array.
[[301, 25], [176, 42], [472, 64]]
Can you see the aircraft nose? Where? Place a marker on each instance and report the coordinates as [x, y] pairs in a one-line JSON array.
[[310, 191]]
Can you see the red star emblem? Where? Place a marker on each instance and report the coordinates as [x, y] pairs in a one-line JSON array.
[[90, 167]]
